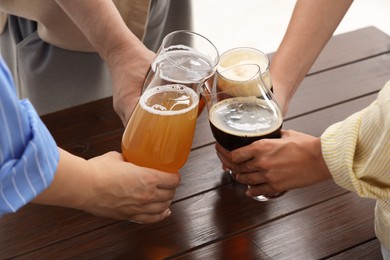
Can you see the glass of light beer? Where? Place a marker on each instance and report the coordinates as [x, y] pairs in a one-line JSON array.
[[247, 55], [160, 131], [186, 51], [242, 109]]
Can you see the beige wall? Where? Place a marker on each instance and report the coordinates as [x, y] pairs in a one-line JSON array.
[[269, 18]]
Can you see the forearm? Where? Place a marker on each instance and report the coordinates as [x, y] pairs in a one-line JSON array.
[[102, 24], [357, 149], [127, 58], [70, 184], [108, 186], [311, 26]]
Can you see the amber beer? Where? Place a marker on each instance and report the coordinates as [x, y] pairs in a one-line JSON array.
[[160, 132], [239, 121]]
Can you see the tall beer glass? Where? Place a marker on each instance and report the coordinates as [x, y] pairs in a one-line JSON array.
[[247, 55], [160, 131], [189, 52], [242, 109]]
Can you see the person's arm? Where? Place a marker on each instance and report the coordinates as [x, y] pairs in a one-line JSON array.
[[357, 150], [109, 186], [311, 26], [32, 166], [127, 58], [354, 152]]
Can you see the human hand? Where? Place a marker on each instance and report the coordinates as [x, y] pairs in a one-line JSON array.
[[271, 166], [128, 68], [125, 191]]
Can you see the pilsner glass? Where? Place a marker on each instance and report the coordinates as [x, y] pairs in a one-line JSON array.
[[186, 51], [242, 109], [160, 131]]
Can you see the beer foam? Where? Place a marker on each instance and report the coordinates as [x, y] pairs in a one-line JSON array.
[[240, 73], [240, 81], [240, 56], [169, 88], [227, 117]]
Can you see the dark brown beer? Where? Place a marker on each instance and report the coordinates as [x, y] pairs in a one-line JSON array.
[[236, 122]]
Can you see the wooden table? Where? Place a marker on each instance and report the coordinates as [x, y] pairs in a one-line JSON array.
[[211, 216]]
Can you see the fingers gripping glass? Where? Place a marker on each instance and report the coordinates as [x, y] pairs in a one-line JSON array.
[[241, 108]]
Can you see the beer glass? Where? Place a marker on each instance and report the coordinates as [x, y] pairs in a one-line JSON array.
[[247, 55], [242, 109], [160, 131], [189, 52]]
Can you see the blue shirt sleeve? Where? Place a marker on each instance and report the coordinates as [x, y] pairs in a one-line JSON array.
[[28, 153]]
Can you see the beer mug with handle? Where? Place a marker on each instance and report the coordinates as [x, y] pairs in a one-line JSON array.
[[242, 109], [160, 131], [189, 52]]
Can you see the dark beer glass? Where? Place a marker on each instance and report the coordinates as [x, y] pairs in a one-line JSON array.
[[241, 108]]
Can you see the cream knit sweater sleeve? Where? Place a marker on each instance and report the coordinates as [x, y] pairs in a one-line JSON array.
[[357, 150], [357, 153]]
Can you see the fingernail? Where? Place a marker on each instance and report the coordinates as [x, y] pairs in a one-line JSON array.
[[168, 212]]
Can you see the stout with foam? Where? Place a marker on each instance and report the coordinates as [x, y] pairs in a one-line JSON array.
[[239, 121]]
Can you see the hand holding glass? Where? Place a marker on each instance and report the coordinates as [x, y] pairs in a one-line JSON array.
[[242, 109]]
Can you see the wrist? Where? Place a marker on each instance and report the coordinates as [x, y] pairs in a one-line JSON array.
[[282, 96], [322, 166], [69, 187], [126, 51]]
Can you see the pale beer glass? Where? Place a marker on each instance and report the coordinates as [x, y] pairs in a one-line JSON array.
[[189, 52], [242, 109], [247, 55], [160, 131]]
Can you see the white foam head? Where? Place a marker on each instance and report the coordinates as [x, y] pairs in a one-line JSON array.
[[245, 116], [181, 99]]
